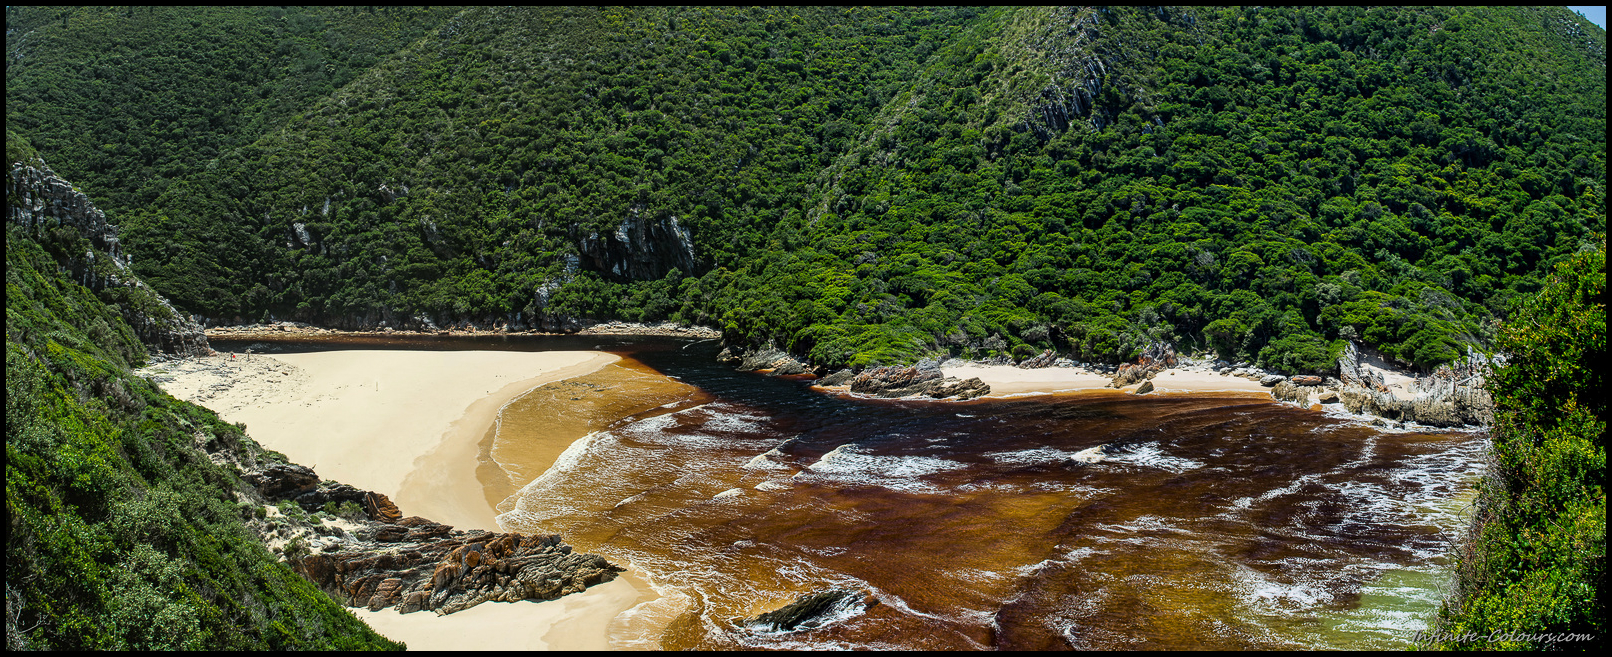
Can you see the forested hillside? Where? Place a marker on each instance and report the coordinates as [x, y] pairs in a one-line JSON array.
[[124, 506], [857, 186]]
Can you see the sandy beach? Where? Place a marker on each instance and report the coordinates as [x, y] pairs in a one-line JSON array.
[[408, 424], [1006, 380], [579, 621], [403, 423]]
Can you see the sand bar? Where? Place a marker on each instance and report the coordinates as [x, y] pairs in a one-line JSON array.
[[402, 423], [1006, 380]]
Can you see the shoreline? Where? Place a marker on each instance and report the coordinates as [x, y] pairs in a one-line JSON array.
[[1010, 381], [292, 330], [451, 467], [421, 449], [579, 621], [380, 420]]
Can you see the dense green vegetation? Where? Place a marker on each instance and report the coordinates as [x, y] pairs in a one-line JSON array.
[[128, 100], [121, 532], [1536, 559], [874, 185]]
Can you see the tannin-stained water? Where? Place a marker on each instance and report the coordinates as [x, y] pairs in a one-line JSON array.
[[1214, 523], [1217, 523]]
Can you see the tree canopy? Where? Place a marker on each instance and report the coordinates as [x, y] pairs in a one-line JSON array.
[[858, 185]]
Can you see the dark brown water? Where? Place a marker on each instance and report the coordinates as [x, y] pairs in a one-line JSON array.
[[1215, 523]]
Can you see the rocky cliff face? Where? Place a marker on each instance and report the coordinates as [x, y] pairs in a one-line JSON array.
[[1453, 395], [53, 211], [640, 249]]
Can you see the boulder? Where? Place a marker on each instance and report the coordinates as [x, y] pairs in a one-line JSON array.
[[840, 378], [283, 480], [814, 610], [380, 508], [1271, 380], [453, 571], [895, 381], [962, 390], [1328, 397], [1307, 380], [1046, 359], [1155, 358], [1146, 387]]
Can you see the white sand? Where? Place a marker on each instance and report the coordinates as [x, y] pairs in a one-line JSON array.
[[403, 423], [1008, 380], [579, 621], [408, 424]]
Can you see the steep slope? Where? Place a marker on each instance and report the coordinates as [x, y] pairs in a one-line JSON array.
[[864, 186], [124, 511], [128, 100], [55, 214]]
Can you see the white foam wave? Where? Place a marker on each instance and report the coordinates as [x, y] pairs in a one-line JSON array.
[[1150, 455], [849, 465], [766, 461], [1037, 456]]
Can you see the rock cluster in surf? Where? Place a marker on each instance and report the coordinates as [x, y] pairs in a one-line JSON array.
[[924, 379], [382, 559], [417, 565]]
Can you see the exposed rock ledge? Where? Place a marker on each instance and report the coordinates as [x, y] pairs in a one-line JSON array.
[[1453, 395], [41, 202], [812, 610], [376, 558], [924, 379]]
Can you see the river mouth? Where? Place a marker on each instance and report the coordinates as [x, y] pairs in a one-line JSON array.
[[1209, 523]]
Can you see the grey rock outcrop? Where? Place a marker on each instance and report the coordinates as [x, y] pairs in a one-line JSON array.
[[961, 389], [840, 378], [454, 572], [1046, 359], [925, 378], [1293, 392], [896, 381], [418, 564], [41, 202], [640, 249], [1453, 395], [778, 361], [278, 481]]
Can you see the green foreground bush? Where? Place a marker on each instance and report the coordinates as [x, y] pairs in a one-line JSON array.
[[1535, 561]]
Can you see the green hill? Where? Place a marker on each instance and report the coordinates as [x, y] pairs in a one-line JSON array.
[[123, 532], [859, 186]]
